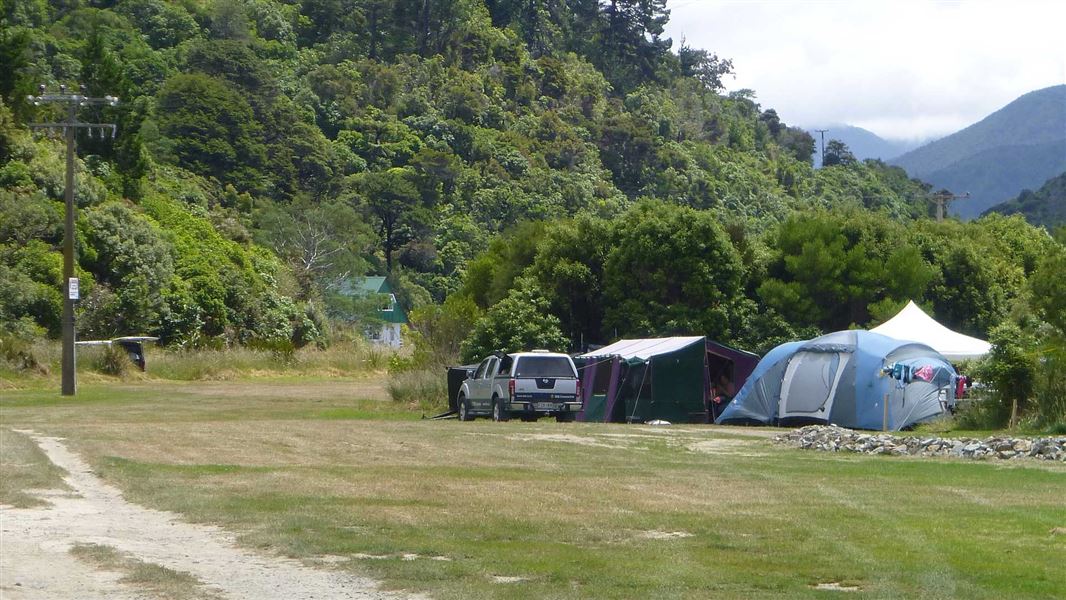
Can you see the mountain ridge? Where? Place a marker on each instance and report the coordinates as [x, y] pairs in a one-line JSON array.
[[1017, 147]]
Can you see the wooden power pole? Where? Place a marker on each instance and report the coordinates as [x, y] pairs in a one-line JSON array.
[[69, 127]]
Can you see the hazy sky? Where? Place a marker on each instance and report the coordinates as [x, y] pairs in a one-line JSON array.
[[902, 69]]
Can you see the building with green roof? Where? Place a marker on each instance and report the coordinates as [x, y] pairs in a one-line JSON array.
[[391, 316]]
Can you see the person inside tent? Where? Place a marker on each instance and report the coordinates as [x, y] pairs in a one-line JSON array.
[[721, 393]]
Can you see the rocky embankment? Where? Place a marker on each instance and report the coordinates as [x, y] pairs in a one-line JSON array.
[[830, 438]]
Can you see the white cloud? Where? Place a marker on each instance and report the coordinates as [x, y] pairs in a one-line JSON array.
[[903, 69]]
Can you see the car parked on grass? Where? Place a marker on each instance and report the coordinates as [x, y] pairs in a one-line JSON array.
[[528, 385]]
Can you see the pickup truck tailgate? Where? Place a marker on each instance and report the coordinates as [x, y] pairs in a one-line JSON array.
[[545, 389]]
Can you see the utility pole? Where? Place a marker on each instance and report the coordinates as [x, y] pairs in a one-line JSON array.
[[69, 127], [822, 131], [942, 198]]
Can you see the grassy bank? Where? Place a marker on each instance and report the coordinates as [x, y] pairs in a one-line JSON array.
[[326, 467], [95, 365]]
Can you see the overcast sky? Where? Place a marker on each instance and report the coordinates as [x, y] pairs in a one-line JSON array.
[[903, 69]]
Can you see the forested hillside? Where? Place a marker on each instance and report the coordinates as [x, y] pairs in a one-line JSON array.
[[549, 171], [1046, 206]]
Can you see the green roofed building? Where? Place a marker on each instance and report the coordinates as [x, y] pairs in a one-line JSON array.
[[391, 316]]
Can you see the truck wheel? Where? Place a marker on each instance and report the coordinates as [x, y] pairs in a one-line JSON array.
[[464, 410], [499, 413], [566, 417]]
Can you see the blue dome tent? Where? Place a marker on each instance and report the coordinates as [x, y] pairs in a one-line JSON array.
[[843, 378]]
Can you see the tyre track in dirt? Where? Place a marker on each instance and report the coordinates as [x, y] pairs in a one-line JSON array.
[[35, 561]]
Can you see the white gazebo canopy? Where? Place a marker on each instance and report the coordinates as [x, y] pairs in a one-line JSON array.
[[914, 325]]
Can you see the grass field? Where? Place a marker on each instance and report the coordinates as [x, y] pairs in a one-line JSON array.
[[328, 467]]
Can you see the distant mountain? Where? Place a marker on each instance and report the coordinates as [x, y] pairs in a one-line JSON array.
[[1017, 147], [1046, 206], [862, 142]]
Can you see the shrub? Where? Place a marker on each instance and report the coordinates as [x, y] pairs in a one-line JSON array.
[[437, 331], [18, 351], [981, 411], [112, 361], [1049, 397], [427, 389], [1010, 372]]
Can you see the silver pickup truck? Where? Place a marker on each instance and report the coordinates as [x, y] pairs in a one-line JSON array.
[[528, 385]]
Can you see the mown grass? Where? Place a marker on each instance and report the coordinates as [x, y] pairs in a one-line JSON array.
[[548, 510]]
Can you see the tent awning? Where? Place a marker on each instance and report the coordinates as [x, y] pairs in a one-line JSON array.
[[643, 349], [913, 324]]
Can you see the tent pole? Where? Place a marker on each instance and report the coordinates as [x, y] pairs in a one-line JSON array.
[[643, 377]]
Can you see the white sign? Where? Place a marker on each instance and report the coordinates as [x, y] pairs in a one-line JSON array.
[[72, 288]]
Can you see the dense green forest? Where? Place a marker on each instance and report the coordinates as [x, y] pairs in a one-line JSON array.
[[545, 171]]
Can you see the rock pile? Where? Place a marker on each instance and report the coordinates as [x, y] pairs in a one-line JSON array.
[[831, 438]]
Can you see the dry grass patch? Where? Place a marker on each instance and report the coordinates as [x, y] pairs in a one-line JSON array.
[[155, 580], [24, 469], [569, 438]]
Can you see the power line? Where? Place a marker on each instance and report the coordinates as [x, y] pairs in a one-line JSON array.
[[71, 293]]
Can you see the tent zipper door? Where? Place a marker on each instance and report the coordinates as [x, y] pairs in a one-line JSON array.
[[809, 393]]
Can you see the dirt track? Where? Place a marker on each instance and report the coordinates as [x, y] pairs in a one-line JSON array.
[[35, 561]]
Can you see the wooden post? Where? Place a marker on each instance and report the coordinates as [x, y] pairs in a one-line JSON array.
[[884, 423], [1013, 414]]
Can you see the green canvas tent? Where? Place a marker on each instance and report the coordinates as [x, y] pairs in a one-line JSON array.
[[668, 379]]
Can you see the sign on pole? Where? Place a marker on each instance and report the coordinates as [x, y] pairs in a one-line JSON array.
[[72, 289]]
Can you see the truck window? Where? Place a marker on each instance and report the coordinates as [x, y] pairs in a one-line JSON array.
[[490, 372], [505, 364], [543, 366], [481, 369]]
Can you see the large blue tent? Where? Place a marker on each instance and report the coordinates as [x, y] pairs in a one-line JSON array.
[[855, 379]]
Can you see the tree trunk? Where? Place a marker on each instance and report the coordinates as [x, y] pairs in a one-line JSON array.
[[388, 226], [374, 33], [423, 29]]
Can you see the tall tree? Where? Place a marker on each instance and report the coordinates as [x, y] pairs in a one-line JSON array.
[[212, 129], [704, 66], [632, 50], [837, 153], [322, 243], [394, 200], [829, 268], [673, 270]]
